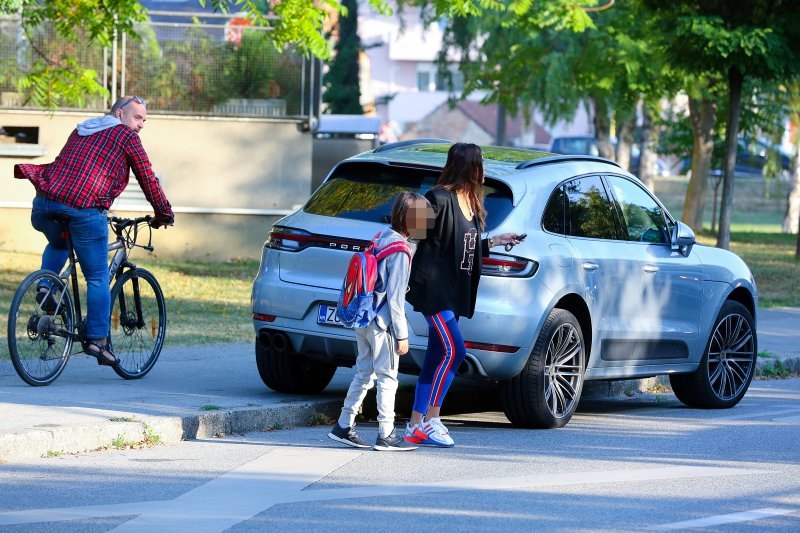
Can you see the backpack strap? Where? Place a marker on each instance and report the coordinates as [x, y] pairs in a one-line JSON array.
[[393, 248]]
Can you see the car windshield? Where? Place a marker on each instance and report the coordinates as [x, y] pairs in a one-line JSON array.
[[366, 192]]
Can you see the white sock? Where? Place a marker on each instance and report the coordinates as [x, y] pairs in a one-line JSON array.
[[384, 430]]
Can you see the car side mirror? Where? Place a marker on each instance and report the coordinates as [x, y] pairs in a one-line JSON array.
[[682, 238]]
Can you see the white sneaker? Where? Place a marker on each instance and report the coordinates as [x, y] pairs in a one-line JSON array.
[[437, 434]]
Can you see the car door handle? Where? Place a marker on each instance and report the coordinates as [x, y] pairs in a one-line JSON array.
[[651, 269], [590, 266]]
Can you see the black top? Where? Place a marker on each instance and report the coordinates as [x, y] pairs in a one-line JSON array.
[[446, 268]]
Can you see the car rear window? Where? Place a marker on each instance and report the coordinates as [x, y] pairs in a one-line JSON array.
[[366, 192]]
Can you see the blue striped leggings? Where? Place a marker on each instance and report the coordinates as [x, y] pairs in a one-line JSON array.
[[445, 353]]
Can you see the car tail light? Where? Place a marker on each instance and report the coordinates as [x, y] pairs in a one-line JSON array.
[[294, 240], [264, 318], [490, 347], [288, 239], [508, 266]]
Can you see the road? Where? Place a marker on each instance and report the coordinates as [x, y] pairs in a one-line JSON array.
[[629, 464]]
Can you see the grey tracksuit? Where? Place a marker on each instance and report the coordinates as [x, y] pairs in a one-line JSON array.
[[377, 343]]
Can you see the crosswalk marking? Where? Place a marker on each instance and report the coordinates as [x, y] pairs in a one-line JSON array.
[[719, 520]]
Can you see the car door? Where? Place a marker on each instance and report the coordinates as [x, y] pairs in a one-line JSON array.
[[608, 269], [670, 298]]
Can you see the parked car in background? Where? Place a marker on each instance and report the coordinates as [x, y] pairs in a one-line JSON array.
[[587, 145], [751, 157], [607, 284]]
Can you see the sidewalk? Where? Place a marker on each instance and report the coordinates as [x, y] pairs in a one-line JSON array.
[[90, 406]]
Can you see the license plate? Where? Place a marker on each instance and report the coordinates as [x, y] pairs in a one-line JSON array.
[[327, 315]]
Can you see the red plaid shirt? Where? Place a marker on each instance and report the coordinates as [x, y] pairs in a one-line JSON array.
[[92, 170]]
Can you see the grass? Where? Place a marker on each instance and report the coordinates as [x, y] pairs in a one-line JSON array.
[[121, 443], [207, 303], [210, 407], [776, 369], [755, 234]]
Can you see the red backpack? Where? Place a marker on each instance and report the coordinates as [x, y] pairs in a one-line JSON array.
[[356, 305]]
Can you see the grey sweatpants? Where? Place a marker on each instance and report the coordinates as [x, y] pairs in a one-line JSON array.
[[377, 361]]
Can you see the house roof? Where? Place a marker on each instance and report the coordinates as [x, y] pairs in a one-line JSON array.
[[485, 116]]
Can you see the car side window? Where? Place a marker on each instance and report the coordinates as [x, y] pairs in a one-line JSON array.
[[554, 213], [642, 216], [590, 213]]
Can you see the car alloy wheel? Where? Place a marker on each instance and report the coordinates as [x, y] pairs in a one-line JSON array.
[[730, 357], [562, 371]]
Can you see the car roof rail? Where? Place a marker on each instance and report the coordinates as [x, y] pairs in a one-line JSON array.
[[410, 142], [562, 158]]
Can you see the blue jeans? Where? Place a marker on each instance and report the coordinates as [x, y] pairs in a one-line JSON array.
[[88, 229]]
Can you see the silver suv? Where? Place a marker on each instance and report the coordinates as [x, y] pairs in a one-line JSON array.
[[607, 285]]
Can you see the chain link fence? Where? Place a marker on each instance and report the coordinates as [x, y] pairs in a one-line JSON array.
[[179, 65]]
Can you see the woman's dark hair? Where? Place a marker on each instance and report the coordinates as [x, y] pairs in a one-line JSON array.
[[463, 171], [404, 201]]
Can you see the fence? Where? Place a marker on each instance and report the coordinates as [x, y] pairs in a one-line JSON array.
[[181, 63]]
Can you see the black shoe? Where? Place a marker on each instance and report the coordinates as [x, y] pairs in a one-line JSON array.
[[347, 436], [393, 443], [47, 300]]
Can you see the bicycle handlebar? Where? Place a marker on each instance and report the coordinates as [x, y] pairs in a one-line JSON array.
[[123, 227]]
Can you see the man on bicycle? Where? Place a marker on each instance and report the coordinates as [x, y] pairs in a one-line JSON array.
[[86, 177]]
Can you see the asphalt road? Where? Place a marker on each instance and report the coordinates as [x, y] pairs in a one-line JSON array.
[[627, 464]]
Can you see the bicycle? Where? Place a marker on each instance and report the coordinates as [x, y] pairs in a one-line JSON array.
[[41, 335]]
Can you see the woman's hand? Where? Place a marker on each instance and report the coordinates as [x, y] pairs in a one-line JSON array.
[[506, 238]]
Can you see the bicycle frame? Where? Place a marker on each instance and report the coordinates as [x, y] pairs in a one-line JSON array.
[[118, 264]]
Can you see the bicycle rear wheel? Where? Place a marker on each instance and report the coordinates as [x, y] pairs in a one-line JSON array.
[[138, 322], [40, 330]]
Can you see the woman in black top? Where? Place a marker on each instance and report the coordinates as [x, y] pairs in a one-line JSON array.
[[444, 280]]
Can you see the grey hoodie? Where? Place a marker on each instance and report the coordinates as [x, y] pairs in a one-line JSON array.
[[97, 124], [393, 272]]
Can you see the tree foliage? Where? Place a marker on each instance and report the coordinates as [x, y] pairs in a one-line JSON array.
[[342, 83]]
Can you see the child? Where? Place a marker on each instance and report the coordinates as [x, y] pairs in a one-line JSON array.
[[386, 337]]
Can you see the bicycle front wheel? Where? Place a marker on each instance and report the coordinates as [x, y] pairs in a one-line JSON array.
[[40, 328], [138, 322]]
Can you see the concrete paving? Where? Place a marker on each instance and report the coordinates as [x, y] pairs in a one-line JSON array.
[[205, 391]]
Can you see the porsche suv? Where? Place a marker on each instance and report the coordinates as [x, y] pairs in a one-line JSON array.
[[607, 285]]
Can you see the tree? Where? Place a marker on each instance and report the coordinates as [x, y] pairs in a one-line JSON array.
[[604, 62], [54, 80], [737, 40], [342, 83]]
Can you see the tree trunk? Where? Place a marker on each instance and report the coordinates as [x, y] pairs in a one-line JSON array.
[[703, 117], [602, 128], [647, 150], [792, 218], [797, 248], [735, 82], [501, 125], [625, 140]]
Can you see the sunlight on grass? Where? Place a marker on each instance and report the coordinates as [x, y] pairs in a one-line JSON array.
[[207, 303]]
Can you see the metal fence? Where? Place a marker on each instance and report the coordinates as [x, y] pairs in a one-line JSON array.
[[181, 63]]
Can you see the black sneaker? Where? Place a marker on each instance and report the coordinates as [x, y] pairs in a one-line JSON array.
[[347, 436], [393, 443]]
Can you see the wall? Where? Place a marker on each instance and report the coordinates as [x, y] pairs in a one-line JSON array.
[[227, 179]]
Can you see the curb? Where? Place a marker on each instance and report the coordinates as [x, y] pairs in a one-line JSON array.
[[169, 429]]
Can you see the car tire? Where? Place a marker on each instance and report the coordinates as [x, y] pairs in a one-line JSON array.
[[544, 395], [289, 372], [720, 382]]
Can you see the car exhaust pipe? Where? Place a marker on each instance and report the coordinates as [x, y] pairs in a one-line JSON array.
[[280, 342], [467, 368], [265, 338]]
